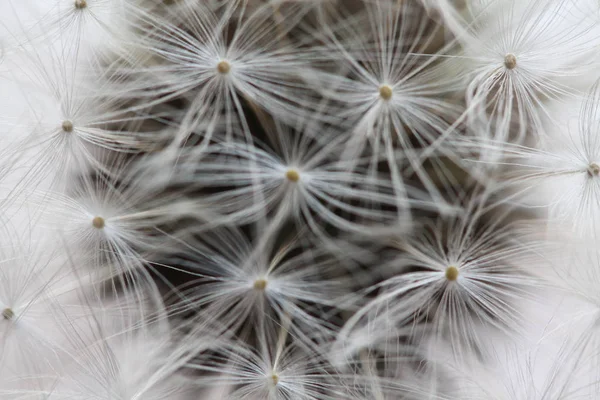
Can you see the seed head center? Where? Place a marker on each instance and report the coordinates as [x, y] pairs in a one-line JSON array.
[[510, 61], [275, 379], [8, 314], [67, 126], [593, 170], [79, 4], [292, 175], [451, 273], [386, 92], [223, 67], [260, 284], [98, 222]]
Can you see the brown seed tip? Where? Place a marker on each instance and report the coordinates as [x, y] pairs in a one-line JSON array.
[[593, 170], [79, 4], [275, 379], [223, 67], [292, 175], [451, 273], [386, 92], [98, 222], [510, 61], [8, 313], [260, 284], [67, 126]]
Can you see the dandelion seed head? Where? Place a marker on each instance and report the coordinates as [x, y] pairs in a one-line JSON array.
[[386, 92], [451, 273], [98, 222], [80, 4], [274, 379], [510, 61], [593, 170], [8, 314], [67, 126], [260, 284], [223, 67], [292, 175]]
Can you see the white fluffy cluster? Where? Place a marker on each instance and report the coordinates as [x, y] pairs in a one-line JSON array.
[[299, 199]]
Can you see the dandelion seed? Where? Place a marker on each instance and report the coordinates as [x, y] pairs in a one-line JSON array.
[[292, 175], [39, 305], [390, 91], [223, 67], [559, 174], [98, 222], [8, 314], [193, 61], [67, 126], [68, 129], [492, 286], [544, 46], [386, 92], [91, 28], [510, 61], [260, 284], [115, 220], [593, 170], [451, 273], [273, 369], [291, 280], [259, 179]]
